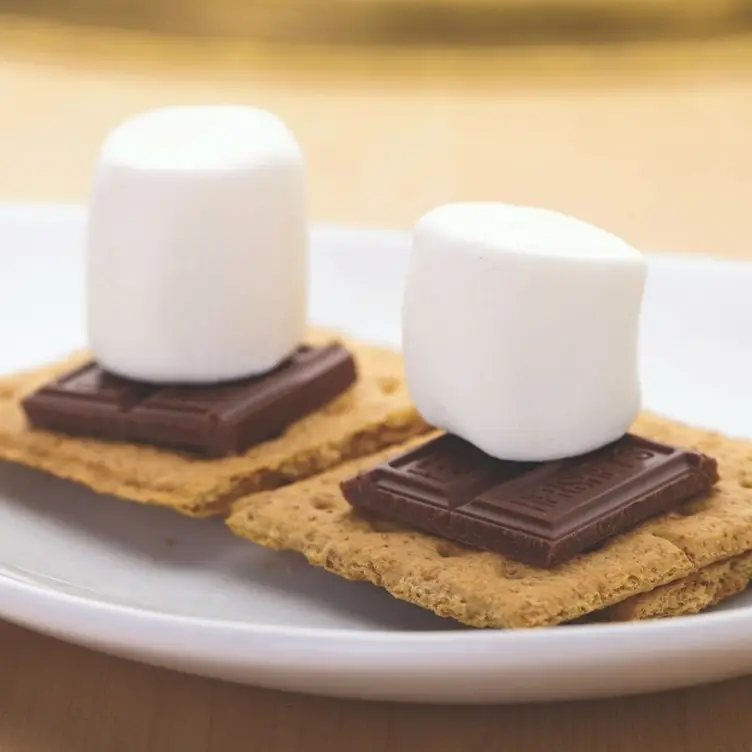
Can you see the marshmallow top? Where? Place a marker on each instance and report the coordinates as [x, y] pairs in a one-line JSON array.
[[520, 330], [506, 228], [200, 138], [197, 246]]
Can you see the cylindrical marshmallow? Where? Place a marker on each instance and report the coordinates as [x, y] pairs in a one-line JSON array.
[[197, 246], [520, 330]]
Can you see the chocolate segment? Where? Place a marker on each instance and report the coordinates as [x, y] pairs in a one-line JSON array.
[[212, 420], [539, 513]]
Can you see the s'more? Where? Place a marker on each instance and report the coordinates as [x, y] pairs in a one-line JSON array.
[[546, 496], [203, 379]]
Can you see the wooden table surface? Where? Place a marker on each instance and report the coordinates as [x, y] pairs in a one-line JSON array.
[[652, 141]]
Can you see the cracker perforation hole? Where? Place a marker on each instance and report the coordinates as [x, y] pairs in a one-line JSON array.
[[338, 407], [389, 384], [448, 550], [512, 571], [322, 504]]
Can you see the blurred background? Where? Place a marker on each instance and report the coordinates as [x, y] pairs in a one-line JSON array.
[[633, 114]]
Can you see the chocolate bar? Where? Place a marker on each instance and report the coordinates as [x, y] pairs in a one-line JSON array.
[[539, 513], [215, 420]]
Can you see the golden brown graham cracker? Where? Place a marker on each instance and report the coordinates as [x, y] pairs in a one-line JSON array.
[[688, 595], [734, 455], [482, 589], [374, 413]]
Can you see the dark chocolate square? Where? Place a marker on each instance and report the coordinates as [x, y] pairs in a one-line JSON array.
[[538, 513], [215, 420]]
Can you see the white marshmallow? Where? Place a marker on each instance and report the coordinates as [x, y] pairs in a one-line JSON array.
[[520, 330], [197, 245]]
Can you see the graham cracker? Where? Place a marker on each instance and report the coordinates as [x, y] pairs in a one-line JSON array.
[[689, 595], [374, 413], [482, 589], [734, 455]]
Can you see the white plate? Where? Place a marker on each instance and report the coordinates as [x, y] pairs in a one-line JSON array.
[[149, 585]]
